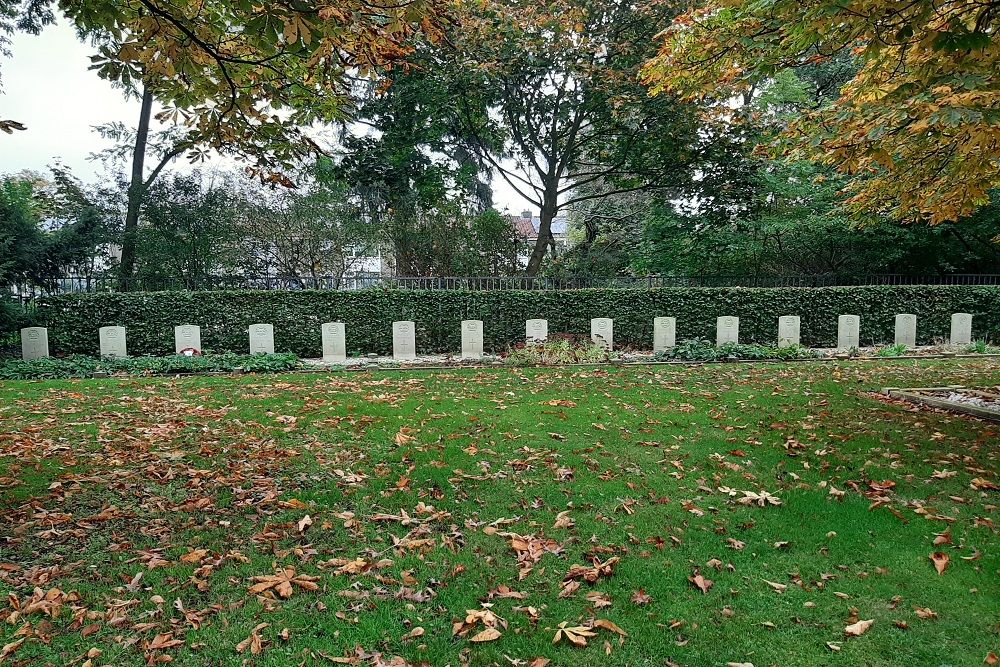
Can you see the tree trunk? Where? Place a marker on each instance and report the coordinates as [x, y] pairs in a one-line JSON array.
[[136, 191], [550, 207], [541, 246]]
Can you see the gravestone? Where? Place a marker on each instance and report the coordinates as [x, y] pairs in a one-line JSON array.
[[961, 329], [472, 339], [113, 342], [536, 331], [602, 332], [334, 341], [727, 330], [404, 345], [187, 337], [788, 330], [906, 330], [261, 339], [34, 343], [664, 333], [848, 332]]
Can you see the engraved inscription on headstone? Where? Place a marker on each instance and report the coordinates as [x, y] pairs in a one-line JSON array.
[[472, 339], [848, 332], [788, 330], [664, 333], [334, 341], [34, 343], [602, 332], [727, 330], [961, 329], [261, 339], [404, 342], [113, 342], [187, 337], [536, 331], [906, 329]]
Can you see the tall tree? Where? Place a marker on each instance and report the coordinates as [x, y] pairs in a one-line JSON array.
[[919, 122], [566, 109], [306, 235], [413, 168], [40, 233], [248, 92], [190, 232], [134, 146]]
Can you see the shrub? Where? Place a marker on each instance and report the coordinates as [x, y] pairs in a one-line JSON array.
[[80, 366], [896, 350], [12, 318], [794, 352], [224, 316], [981, 347], [696, 349], [701, 349], [558, 351]]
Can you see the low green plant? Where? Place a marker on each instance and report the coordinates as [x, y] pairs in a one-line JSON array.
[[693, 349], [795, 351], [80, 366], [49, 368], [896, 350], [738, 351], [981, 347], [700, 349], [559, 352]]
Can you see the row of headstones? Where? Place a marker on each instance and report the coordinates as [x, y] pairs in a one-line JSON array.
[[187, 337]]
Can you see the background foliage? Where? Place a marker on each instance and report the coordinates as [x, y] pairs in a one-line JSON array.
[[224, 316]]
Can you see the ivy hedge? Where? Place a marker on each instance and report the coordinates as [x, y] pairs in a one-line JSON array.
[[224, 316]]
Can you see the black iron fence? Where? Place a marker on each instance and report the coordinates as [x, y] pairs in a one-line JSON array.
[[110, 283]]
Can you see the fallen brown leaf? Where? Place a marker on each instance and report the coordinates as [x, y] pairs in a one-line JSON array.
[[254, 642], [940, 561], [284, 582], [859, 628], [487, 635], [701, 583]]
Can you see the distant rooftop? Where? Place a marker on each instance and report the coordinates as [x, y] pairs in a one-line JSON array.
[[527, 225]]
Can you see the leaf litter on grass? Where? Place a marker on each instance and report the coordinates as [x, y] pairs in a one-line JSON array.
[[174, 520]]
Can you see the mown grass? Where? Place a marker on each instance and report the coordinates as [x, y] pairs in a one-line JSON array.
[[99, 476]]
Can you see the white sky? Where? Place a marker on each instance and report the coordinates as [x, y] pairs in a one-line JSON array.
[[47, 86]]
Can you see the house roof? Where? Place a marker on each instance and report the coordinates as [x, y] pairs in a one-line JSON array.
[[523, 226], [528, 227]]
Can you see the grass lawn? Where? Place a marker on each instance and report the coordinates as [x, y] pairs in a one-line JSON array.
[[351, 518]]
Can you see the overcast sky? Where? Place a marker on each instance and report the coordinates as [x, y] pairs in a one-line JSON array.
[[48, 87]]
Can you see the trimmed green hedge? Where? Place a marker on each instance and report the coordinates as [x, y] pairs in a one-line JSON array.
[[224, 316]]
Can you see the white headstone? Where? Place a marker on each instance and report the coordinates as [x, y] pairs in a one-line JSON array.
[[727, 330], [472, 339], [334, 341], [906, 329], [187, 337], [788, 330], [404, 342], [34, 343], [848, 332], [261, 339], [113, 342], [602, 332], [664, 333], [536, 331], [961, 329]]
